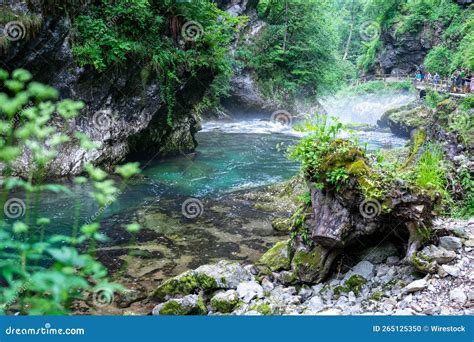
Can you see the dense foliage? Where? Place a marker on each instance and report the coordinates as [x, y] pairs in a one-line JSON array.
[[296, 53], [43, 273], [167, 39], [455, 47]]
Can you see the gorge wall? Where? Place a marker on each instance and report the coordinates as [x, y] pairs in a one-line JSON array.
[[123, 113]]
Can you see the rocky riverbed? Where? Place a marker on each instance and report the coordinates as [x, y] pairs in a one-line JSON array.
[[377, 284]]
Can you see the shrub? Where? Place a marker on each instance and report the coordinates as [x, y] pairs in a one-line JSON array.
[[41, 273]]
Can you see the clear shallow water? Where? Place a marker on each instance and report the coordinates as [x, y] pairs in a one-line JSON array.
[[231, 156]]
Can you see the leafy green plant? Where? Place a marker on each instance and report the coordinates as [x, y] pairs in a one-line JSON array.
[[466, 207], [338, 177], [433, 98], [42, 273], [296, 52], [139, 32], [429, 169]]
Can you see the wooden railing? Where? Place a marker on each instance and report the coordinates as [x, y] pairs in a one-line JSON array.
[[443, 85]]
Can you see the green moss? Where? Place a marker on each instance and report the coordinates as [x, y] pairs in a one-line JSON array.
[[306, 264], [185, 284], [338, 290], [262, 308], [277, 257], [358, 168], [376, 296], [281, 224], [423, 264], [175, 308], [324, 290], [306, 260], [423, 233], [418, 140], [224, 306], [354, 284], [444, 109]]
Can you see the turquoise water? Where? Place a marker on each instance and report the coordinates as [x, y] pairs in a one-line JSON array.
[[225, 162], [231, 156], [232, 159]]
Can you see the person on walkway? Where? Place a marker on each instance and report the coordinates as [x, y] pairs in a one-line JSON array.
[[453, 81], [472, 85], [459, 83], [418, 76], [467, 81], [429, 78], [436, 78]]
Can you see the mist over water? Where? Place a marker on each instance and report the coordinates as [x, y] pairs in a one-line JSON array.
[[365, 109]]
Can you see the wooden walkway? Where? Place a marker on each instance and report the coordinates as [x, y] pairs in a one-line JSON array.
[[443, 86]]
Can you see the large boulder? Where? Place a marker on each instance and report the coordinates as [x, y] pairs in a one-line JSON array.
[[188, 305], [404, 120], [207, 278]]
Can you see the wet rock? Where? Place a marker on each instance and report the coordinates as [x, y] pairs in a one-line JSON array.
[[438, 254], [276, 258], [416, 285], [245, 95], [450, 243], [225, 302], [188, 305], [249, 290], [223, 275], [404, 120]]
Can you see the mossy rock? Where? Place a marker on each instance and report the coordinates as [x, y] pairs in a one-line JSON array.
[[281, 224], [225, 302], [184, 284], [377, 296], [263, 308], [276, 258], [189, 305], [423, 264], [307, 264], [354, 284], [207, 278], [343, 154], [444, 109]]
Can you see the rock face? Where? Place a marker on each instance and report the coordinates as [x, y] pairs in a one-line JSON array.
[[245, 97], [124, 113], [404, 120], [403, 52]]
